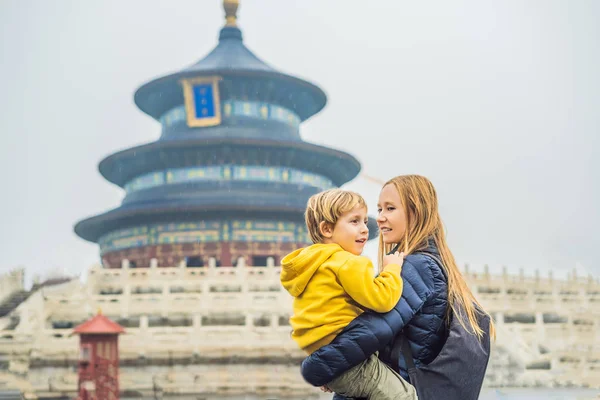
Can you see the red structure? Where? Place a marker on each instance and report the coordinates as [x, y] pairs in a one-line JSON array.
[[98, 358]]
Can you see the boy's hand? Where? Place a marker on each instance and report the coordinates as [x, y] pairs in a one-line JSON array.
[[396, 258]]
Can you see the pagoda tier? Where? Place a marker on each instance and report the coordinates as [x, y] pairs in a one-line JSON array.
[[244, 77], [123, 167], [229, 176]]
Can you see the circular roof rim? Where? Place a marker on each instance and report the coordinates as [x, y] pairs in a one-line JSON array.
[[203, 142], [147, 88], [119, 213]]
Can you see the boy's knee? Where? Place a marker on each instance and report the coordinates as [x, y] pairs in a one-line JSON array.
[[352, 382]]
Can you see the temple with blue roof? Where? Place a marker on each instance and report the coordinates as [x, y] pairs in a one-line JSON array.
[[229, 176]]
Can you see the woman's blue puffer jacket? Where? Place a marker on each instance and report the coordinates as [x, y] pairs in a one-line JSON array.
[[419, 314]]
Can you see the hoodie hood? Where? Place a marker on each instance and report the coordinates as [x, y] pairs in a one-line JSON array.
[[298, 267]]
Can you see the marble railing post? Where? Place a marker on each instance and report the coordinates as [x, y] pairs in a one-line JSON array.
[[212, 262], [583, 298], [241, 270], [167, 298], [571, 331], [144, 323], [125, 299], [499, 318], [197, 321], [539, 325]]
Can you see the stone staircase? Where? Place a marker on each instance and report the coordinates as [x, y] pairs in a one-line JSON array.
[[13, 302], [18, 297]]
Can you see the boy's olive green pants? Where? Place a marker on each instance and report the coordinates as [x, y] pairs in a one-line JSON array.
[[373, 380]]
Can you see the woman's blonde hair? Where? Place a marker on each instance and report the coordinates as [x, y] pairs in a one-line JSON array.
[[423, 223]]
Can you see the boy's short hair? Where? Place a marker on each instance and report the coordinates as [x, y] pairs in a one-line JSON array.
[[328, 206]]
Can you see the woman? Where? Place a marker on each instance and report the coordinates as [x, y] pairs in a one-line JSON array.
[[434, 293]]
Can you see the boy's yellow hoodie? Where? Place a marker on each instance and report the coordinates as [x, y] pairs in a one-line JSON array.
[[331, 287]]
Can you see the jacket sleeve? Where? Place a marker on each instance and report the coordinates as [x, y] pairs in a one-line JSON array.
[[370, 332], [379, 293]]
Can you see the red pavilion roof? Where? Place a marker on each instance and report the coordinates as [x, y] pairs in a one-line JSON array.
[[99, 325]]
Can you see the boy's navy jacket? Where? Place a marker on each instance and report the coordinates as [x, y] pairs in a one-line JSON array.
[[419, 314]]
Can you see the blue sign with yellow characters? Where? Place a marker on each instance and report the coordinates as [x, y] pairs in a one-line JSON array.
[[202, 103]]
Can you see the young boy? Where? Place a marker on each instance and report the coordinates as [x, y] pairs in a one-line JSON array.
[[332, 284]]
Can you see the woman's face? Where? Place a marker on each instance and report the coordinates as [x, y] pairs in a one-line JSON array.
[[390, 215]]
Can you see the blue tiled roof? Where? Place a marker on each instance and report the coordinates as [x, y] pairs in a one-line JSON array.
[[336, 165], [230, 54], [232, 58]]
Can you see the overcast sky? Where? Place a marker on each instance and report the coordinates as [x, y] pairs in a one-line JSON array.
[[497, 102]]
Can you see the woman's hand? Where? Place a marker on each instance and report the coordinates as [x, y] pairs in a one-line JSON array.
[[325, 389], [396, 258]]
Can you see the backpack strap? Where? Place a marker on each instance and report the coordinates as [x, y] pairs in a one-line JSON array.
[[407, 353]]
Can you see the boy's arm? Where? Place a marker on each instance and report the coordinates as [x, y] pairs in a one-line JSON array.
[[379, 294]]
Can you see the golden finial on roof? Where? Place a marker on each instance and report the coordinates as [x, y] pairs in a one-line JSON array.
[[231, 7], [99, 311]]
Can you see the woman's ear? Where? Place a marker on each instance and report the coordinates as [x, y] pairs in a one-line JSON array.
[[326, 229]]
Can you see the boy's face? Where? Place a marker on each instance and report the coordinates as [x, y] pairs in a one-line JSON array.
[[350, 231]]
